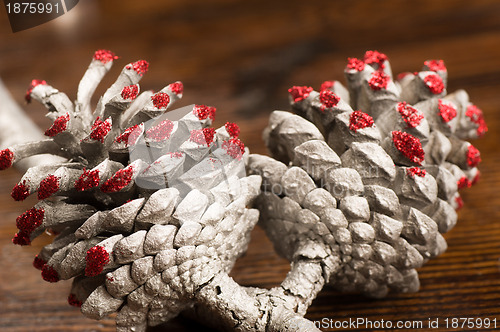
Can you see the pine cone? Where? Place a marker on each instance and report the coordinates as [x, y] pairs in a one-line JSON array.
[[147, 209], [365, 194]]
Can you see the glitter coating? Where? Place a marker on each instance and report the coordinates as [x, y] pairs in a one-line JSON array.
[[355, 63], [416, 171], [33, 84], [232, 129], [161, 131], [140, 67], [328, 99], [21, 239], [118, 181], [48, 187], [375, 57], [160, 100], [409, 146], [203, 112], [49, 274], [435, 65], [97, 257], [434, 83], [20, 191], [100, 129], [379, 80], [30, 220], [299, 93], [446, 111], [104, 56], [73, 301], [130, 92], [473, 156], [60, 124], [463, 182], [476, 115], [130, 135], [6, 159], [203, 136], [177, 88], [234, 147], [89, 179], [359, 120], [410, 115], [38, 263]]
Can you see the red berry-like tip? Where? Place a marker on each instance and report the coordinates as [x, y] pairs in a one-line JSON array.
[[48, 187], [160, 100], [49, 274], [20, 191], [118, 181], [409, 146], [140, 67], [203, 136], [203, 112], [326, 85], [379, 80], [234, 147], [410, 115], [89, 179], [355, 63], [6, 158], [299, 93], [21, 239], [130, 135], [232, 129], [38, 263], [463, 182], [73, 301], [30, 220], [60, 124], [473, 156], [100, 129], [104, 56], [434, 83], [446, 111], [97, 257], [416, 171], [328, 99], [130, 92], [161, 131], [359, 120], [375, 57], [476, 115], [33, 84], [176, 87], [435, 65]]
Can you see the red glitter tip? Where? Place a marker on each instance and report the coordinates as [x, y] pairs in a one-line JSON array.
[[161, 131], [435, 65], [97, 257], [299, 93], [73, 301], [48, 187], [203, 136], [328, 99], [176, 87], [473, 156], [160, 100], [359, 120], [232, 129], [130, 135], [409, 146], [140, 67], [38, 263], [118, 181], [203, 112], [100, 129], [375, 57], [104, 56], [464, 183], [89, 179], [20, 191], [130, 92], [49, 274], [30, 220], [434, 83], [60, 124], [476, 115], [326, 85], [355, 63], [446, 111], [33, 84], [410, 115], [416, 171], [234, 147], [379, 80], [460, 202], [21, 239], [6, 159]]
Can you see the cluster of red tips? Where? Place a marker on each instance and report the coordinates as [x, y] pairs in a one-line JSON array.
[[379, 80], [375, 57], [140, 67], [326, 85], [359, 120], [49, 274], [161, 131], [20, 191], [434, 83], [33, 84], [6, 159], [232, 129], [27, 223], [355, 63], [97, 257], [409, 146], [446, 111], [416, 171], [160, 100], [130, 135], [48, 187], [473, 156], [203, 136], [38, 263], [476, 116], [60, 124], [104, 56], [203, 112], [177, 88], [328, 99], [410, 115], [435, 65], [100, 129], [299, 93], [130, 92], [73, 301], [464, 183], [118, 181], [234, 147], [89, 179]]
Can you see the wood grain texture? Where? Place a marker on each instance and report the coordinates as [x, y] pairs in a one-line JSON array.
[[241, 57]]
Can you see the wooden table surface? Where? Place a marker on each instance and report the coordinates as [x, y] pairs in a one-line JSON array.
[[241, 56]]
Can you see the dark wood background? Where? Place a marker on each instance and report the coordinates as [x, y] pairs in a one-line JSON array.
[[241, 56]]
